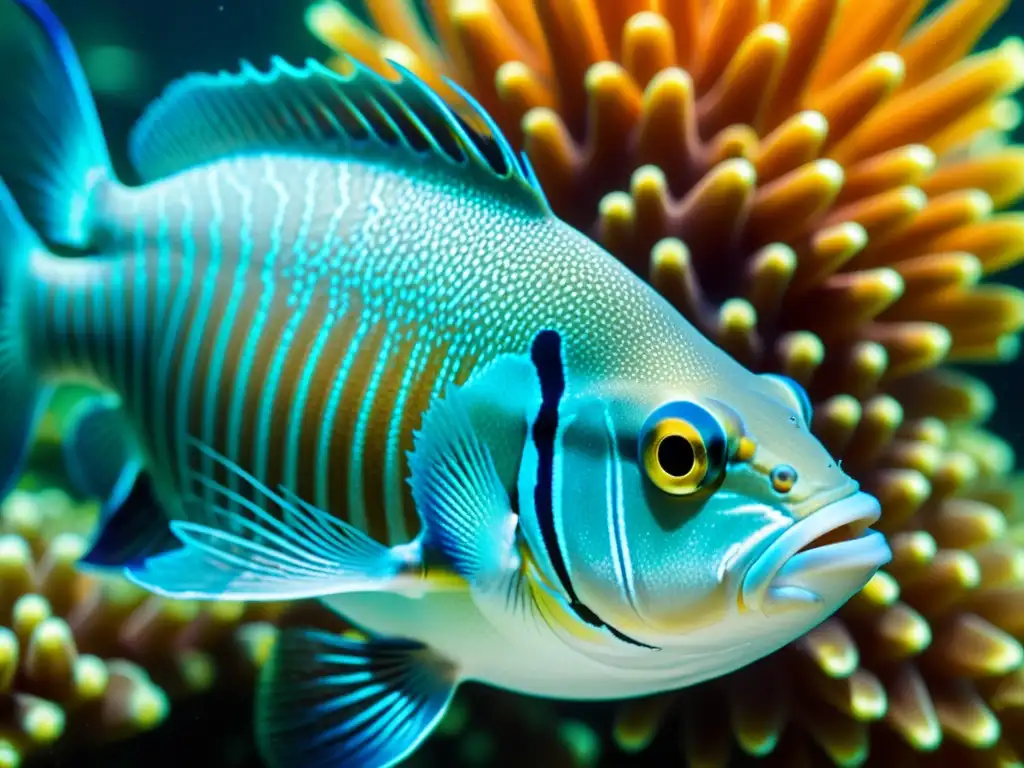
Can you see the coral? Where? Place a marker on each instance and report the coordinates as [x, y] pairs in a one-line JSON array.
[[88, 660], [821, 187]]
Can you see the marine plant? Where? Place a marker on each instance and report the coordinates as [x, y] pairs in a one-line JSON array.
[[821, 187]]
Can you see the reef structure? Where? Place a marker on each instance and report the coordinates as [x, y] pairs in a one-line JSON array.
[[822, 188], [86, 660]]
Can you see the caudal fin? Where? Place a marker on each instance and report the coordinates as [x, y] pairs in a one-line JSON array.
[[53, 159], [53, 156], [23, 396]]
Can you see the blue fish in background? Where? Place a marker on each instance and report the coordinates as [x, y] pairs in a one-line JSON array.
[[343, 350]]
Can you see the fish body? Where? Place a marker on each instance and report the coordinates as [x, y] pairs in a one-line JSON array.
[[297, 315], [305, 350], [343, 350]]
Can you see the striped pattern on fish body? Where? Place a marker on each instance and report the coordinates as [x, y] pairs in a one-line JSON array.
[[299, 314]]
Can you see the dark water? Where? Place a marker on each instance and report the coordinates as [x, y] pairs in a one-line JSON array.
[[132, 49]]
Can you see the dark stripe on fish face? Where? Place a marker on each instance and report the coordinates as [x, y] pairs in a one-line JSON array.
[[546, 355]]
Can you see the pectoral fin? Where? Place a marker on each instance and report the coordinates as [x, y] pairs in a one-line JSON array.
[[468, 520], [465, 510], [325, 700]]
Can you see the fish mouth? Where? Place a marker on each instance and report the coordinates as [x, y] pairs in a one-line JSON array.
[[823, 558]]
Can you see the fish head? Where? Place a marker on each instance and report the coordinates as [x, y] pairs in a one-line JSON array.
[[698, 514]]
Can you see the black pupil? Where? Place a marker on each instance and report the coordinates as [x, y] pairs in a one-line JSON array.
[[675, 456]]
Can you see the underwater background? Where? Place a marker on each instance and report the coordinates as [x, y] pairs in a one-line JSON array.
[[924, 668]]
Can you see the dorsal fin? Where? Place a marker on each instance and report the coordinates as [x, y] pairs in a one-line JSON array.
[[317, 111]]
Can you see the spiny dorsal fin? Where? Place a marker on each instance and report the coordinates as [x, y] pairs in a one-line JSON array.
[[315, 110]]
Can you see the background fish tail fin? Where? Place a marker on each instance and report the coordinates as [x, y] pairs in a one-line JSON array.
[[104, 462], [52, 153], [24, 396]]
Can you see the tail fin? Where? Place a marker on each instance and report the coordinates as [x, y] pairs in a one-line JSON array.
[[24, 398], [52, 160], [52, 152]]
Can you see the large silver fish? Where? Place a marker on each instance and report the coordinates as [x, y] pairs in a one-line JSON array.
[[343, 349]]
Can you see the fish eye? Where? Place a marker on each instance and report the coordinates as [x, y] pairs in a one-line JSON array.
[[682, 448], [794, 394]]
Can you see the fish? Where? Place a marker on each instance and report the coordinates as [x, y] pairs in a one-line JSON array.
[[338, 347]]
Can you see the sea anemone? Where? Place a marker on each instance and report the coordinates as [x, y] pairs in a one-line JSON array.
[[817, 186], [87, 660]]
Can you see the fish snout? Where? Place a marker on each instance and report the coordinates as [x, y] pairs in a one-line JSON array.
[[820, 560]]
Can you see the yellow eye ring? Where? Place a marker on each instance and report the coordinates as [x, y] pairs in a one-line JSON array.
[[682, 449], [675, 457]]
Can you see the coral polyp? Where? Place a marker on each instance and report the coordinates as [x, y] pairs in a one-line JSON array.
[[87, 660], [823, 189]]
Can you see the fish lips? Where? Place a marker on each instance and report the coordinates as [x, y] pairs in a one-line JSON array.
[[822, 559]]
